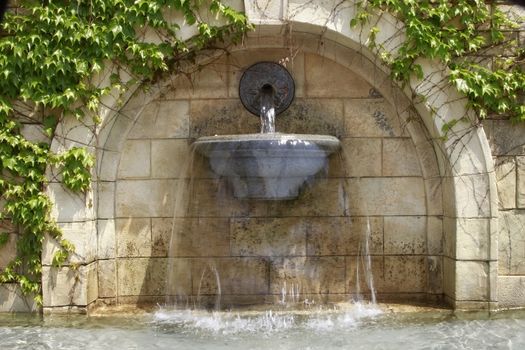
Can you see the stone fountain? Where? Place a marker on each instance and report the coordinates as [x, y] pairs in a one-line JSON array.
[[268, 165]]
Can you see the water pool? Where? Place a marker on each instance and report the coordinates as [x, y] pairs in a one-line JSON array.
[[357, 328]]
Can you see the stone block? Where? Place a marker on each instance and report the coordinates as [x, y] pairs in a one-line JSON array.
[[141, 276], [362, 156], [107, 279], [179, 278], [511, 243], [386, 196], [105, 200], [13, 300], [472, 280], [133, 237], [360, 276], [511, 291], [316, 116], [520, 182], [322, 197], [34, 133], [69, 206], [435, 235], [506, 182], [343, 235], [221, 117], [144, 198], [435, 274], [162, 119], [230, 276], [291, 59], [326, 78], [210, 82], [83, 236], [400, 158], [106, 239], [107, 166], [434, 196], [466, 152], [428, 160], [405, 274], [135, 160], [171, 159], [67, 286], [268, 237], [507, 138], [308, 275], [189, 235], [449, 277], [467, 239], [8, 249], [267, 11], [405, 235], [161, 233], [371, 118], [470, 198]]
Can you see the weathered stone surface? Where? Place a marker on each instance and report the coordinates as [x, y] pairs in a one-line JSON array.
[[69, 286], [435, 235], [221, 117], [107, 278], [107, 165], [435, 274], [135, 160], [361, 157], [83, 236], [209, 83], [360, 276], [317, 116], [69, 206], [434, 196], [343, 236], [507, 138], [371, 118], [141, 276], [511, 243], [470, 198], [520, 185], [230, 276], [144, 198], [133, 237], [400, 158], [309, 275], [170, 159], [405, 235], [323, 197], [404, 274], [162, 119], [449, 278], [386, 196], [161, 233], [467, 239], [511, 291], [106, 239], [325, 78], [12, 299], [506, 182], [268, 237], [105, 200], [189, 235], [8, 249], [472, 282]]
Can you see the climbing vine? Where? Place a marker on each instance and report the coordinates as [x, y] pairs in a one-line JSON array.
[[471, 38], [49, 53]]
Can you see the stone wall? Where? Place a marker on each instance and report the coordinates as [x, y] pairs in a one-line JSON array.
[[254, 251]]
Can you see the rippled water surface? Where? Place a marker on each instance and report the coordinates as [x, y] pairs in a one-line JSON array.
[[357, 328]]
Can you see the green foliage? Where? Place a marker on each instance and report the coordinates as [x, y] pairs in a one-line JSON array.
[[457, 33], [49, 55]]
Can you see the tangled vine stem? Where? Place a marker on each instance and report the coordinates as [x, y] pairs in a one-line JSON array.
[[48, 56]]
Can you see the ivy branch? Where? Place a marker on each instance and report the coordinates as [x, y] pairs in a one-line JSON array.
[[458, 33], [48, 56]]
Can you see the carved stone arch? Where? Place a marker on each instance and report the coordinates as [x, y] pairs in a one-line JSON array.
[[459, 163]]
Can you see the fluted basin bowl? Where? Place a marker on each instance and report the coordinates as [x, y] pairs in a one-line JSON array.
[[271, 166]]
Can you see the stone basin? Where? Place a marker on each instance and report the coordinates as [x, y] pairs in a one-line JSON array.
[[272, 166]]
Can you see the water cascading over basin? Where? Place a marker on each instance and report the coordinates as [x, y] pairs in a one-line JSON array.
[[268, 165]]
